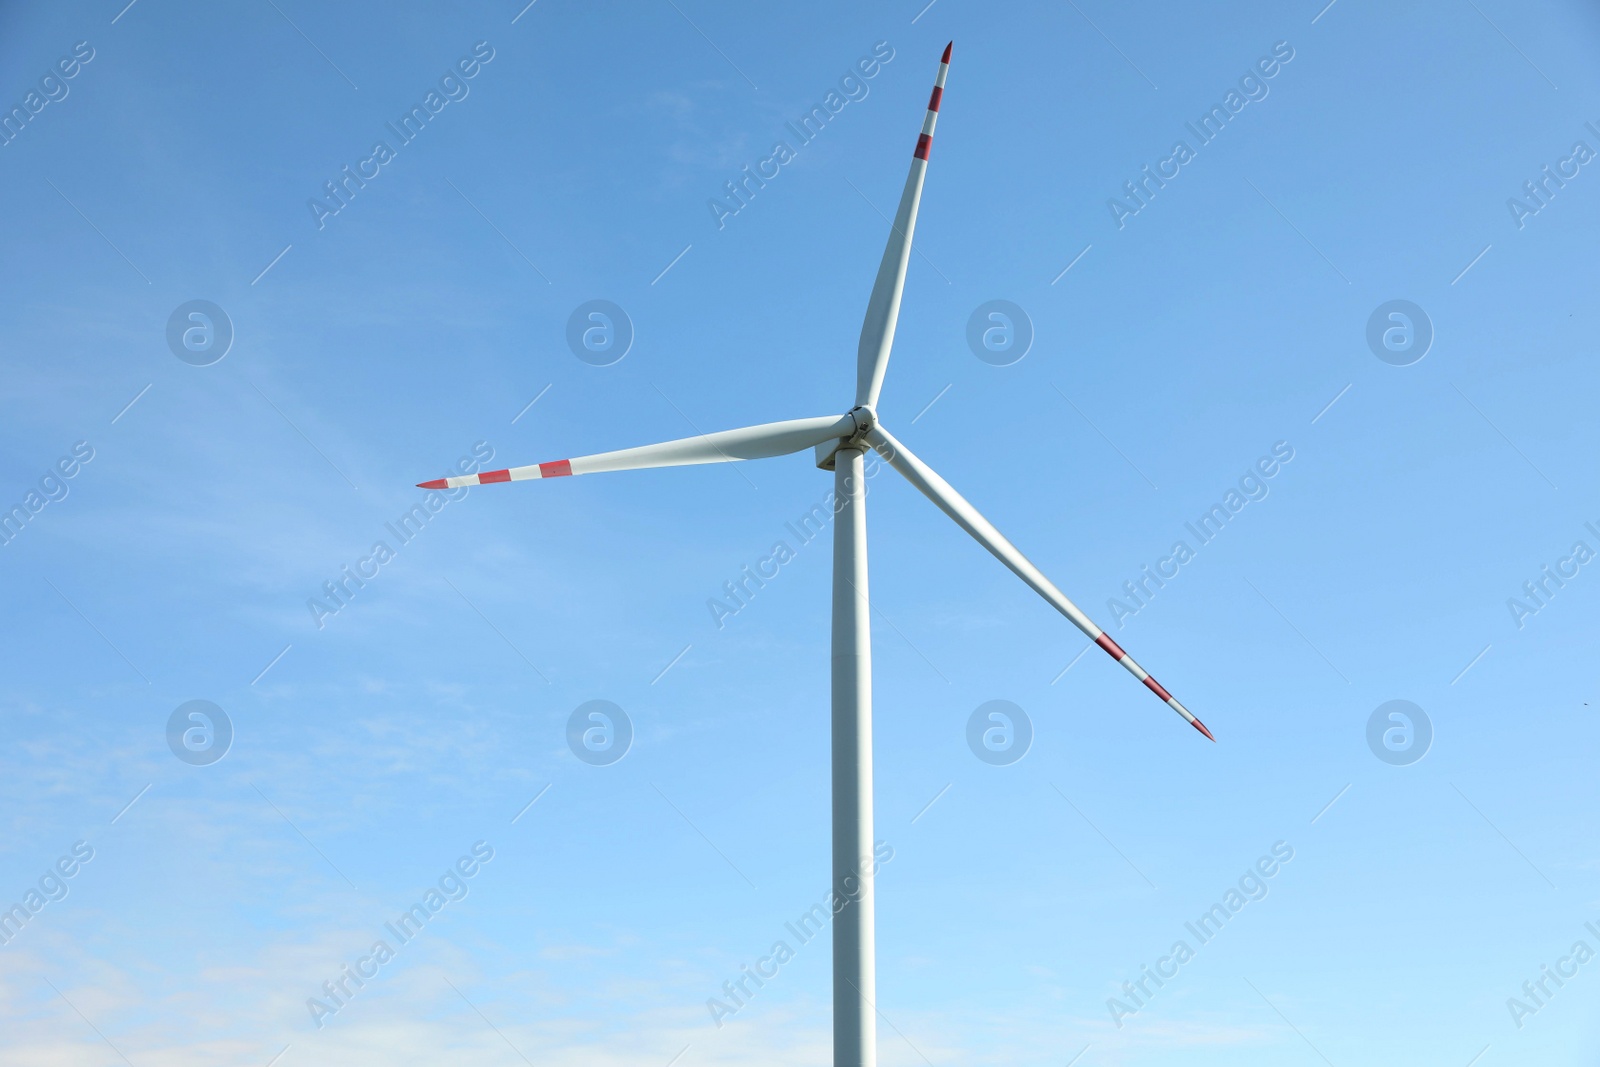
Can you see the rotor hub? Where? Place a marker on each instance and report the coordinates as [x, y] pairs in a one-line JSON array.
[[865, 419]]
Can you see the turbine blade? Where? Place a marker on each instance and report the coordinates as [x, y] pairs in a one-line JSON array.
[[969, 519], [883, 310], [750, 442]]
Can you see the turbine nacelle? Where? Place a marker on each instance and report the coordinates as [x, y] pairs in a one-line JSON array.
[[864, 419]]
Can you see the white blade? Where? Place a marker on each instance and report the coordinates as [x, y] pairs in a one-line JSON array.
[[750, 442], [883, 310], [968, 518]]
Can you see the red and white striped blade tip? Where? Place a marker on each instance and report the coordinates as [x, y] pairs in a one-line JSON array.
[[437, 483], [1198, 725], [946, 56]]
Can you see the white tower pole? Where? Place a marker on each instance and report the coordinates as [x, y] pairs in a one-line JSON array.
[[855, 1029]]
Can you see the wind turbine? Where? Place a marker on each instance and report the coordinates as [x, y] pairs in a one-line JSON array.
[[840, 443]]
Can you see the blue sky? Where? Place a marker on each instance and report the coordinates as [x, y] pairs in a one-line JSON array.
[[382, 344]]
